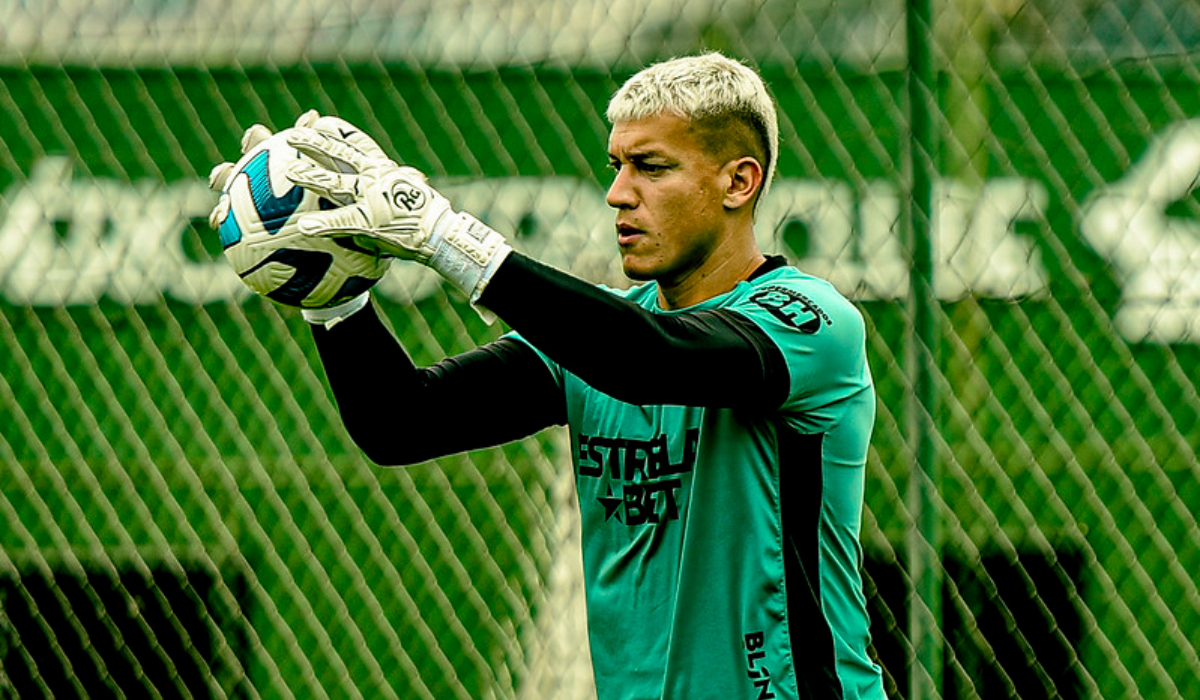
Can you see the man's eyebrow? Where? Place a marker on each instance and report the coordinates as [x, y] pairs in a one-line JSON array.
[[636, 155]]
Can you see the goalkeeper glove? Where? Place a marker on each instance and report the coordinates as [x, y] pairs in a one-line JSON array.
[[221, 172], [391, 207], [219, 177]]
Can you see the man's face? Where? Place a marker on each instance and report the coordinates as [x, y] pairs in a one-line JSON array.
[[668, 193]]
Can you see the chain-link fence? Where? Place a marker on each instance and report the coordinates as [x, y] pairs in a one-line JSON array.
[[183, 515]]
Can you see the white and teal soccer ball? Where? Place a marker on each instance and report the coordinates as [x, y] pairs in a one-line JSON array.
[[263, 242]]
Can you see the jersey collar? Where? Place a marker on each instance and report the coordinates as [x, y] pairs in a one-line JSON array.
[[773, 262]]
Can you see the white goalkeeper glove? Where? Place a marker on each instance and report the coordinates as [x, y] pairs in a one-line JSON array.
[[220, 173], [391, 207], [219, 176]]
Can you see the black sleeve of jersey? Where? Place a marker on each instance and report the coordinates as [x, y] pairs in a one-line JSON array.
[[398, 413], [714, 358]]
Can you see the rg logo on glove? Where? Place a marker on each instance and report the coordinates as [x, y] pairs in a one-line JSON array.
[[409, 198]]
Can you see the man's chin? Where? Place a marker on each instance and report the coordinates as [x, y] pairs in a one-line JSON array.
[[637, 272]]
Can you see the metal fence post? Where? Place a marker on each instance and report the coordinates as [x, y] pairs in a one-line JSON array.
[[924, 545]]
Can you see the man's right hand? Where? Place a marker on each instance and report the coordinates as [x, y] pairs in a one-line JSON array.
[[389, 206]]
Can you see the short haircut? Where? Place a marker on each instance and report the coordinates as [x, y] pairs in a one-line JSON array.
[[715, 93]]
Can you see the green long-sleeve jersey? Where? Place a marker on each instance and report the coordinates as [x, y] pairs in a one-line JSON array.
[[721, 544]]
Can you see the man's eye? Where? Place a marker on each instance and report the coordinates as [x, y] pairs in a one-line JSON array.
[[640, 166]]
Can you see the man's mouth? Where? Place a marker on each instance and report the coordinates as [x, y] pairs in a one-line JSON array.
[[627, 234]]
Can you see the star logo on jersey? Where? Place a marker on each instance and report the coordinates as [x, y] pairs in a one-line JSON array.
[[641, 479], [612, 505]]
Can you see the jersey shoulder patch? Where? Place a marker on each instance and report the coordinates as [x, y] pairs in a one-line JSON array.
[[791, 307]]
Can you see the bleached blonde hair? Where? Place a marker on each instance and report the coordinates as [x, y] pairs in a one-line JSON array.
[[706, 88]]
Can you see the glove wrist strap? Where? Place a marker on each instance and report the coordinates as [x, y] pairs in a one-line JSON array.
[[333, 315], [467, 254]]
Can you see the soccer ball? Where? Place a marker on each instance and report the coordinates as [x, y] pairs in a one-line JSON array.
[[263, 242]]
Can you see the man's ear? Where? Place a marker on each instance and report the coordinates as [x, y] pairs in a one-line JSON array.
[[745, 181]]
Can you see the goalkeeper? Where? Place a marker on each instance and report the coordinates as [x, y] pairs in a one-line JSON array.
[[719, 412]]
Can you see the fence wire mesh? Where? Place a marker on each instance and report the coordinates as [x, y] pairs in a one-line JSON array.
[[183, 515]]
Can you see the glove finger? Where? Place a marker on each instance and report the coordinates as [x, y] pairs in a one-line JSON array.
[[307, 119], [330, 152], [219, 176], [352, 221], [343, 221], [337, 187], [253, 136], [340, 129], [219, 213]]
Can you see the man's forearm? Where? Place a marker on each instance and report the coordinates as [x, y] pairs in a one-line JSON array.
[[707, 358], [399, 413]]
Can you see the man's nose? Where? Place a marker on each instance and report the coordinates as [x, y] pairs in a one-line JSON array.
[[621, 193]]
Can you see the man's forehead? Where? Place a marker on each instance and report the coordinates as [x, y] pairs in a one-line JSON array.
[[655, 134]]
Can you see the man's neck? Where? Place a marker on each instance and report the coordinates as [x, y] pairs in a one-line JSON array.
[[710, 280]]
